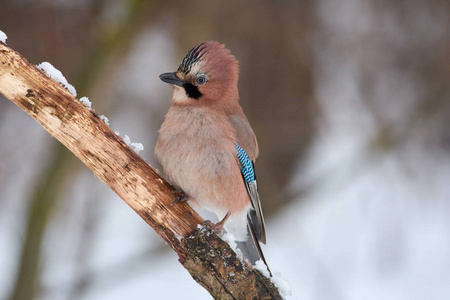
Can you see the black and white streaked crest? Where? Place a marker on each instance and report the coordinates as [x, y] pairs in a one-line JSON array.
[[193, 56]]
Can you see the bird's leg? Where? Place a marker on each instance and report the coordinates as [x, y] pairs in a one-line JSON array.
[[181, 196], [218, 226]]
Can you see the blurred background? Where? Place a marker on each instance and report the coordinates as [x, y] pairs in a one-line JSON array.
[[350, 101]]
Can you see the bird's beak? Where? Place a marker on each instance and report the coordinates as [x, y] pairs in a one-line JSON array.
[[171, 78]]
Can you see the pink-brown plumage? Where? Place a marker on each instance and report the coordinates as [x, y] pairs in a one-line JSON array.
[[196, 141], [195, 147]]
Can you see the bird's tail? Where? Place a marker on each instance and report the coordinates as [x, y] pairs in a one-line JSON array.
[[251, 250]]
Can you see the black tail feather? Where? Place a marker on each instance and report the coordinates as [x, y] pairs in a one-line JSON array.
[[251, 250]]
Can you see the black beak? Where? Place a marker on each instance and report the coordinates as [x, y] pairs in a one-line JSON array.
[[172, 79]]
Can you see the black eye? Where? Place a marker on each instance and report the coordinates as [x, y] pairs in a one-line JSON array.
[[201, 80]]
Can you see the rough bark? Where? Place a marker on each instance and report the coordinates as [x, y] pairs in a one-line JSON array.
[[208, 259]]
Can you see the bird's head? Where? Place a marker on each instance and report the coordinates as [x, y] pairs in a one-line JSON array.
[[208, 74]]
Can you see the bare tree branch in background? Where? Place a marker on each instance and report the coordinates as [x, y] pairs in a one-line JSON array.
[[208, 259]]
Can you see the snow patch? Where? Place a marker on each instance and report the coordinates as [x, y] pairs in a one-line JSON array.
[[85, 101], [56, 75], [104, 119], [127, 140], [282, 284], [3, 37], [261, 266], [137, 147], [230, 239]]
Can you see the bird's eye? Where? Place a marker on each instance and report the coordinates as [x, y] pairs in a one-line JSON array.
[[201, 80]]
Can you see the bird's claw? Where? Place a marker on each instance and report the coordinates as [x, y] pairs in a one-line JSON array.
[[218, 227], [181, 196]]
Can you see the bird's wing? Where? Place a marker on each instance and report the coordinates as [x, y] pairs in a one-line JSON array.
[[255, 215], [245, 137]]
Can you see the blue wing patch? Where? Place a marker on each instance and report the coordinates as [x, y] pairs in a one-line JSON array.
[[246, 164], [255, 216]]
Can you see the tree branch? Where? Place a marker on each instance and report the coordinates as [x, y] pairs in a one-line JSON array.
[[209, 260]]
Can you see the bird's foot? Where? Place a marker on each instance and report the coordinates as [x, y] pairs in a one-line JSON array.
[[214, 226], [181, 196], [217, 227]]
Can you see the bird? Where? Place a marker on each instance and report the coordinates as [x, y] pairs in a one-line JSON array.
[[207, 148]]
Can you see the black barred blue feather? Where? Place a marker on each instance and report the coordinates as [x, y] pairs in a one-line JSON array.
[[255, 215], [246, 164]]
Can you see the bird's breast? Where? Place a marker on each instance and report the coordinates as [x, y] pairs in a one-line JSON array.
[[195, 141], [196, 149]]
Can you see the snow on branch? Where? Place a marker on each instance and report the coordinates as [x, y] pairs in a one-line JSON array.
[[210, 260]]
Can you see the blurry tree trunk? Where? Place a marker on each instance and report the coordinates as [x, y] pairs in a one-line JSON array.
[[209, 260], [38, 215]]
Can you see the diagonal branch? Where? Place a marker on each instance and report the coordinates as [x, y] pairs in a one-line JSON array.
[[209, 260]]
